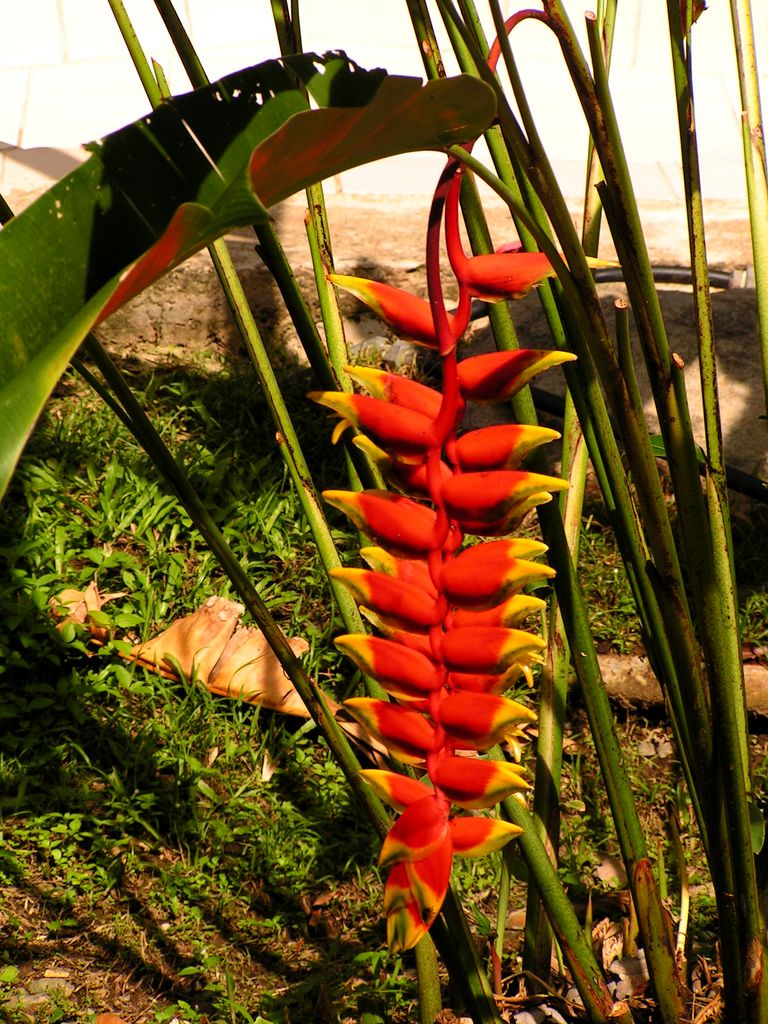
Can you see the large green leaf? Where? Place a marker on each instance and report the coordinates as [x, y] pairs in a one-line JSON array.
[[159, 190]]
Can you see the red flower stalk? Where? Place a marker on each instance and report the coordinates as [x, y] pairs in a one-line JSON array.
[[450, 616]]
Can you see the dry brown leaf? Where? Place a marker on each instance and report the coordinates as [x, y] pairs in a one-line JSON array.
[[229, 661], [194, 643], [249, 670], [76, 606]]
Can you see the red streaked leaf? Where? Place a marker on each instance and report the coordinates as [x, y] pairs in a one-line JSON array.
[[480, 499], [478, 721], [419, 831], [408, 734], [475, 784], [402, 432], [476, 837], [488, 648], [503, 446], [404, 313], [404, 604], [396, 522], [401, 670], [399, 791], [496, 376]]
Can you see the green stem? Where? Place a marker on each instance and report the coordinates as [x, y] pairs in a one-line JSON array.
[[553, 683], [575, 945], [753, 137], [428, 980], [140, 62]]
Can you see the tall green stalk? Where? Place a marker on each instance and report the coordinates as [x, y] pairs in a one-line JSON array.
[[755, 167]]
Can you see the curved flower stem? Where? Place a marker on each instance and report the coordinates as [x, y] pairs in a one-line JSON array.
[[756, 170]]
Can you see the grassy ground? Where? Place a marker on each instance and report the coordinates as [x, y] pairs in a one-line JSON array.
[[169, 854]]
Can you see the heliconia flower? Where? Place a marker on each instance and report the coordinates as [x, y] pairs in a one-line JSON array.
[[476, 837], [396, 522], [416, 641], [478, 721], [418, 832], [405, 926], [409, 317], [503, 446], [400, 391], [481, 682], [429, 877], [504, 275], [497, 376], [403, 432], [475, 784], [508, 613], [409, 570], [400, 670], [484, 576], [408, 477], [399, 791], [488, 648], [413, 896], [491, 497], [508, 273], [404, 604], [408, 734]]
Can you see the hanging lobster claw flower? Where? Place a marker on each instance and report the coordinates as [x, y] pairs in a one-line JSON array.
[[474, 784], [476, 837], [419, 831], [408, 316], [408, 734], [403, 604], [407, 477], [397, 522], [400, 670], [477, 721], [508, 613], [504, 275], [493, 497], [484, 576], [399, 791], [402, 432], [496, 376], [488, 648], [481, 682], [429, 877], [409, 570], [400, 391], [405, 926], [509, 273], [413, 896], [499, 447]]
